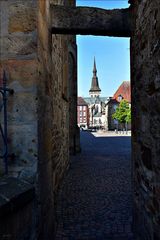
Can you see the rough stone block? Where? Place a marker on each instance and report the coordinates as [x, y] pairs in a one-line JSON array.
[[22, 108], [14, 194], [21, 74], [22, 16], [18, 46], [23, 144]]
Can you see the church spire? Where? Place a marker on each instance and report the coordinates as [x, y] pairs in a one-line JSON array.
[[94, 90], [94, 68]]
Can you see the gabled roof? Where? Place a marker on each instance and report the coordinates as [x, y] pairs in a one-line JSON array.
[[81, 102], [124, 90]]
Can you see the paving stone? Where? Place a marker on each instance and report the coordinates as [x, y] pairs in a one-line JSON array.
[[95, 199]]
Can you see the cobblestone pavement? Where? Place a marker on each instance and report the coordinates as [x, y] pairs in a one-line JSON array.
[[94, 201]]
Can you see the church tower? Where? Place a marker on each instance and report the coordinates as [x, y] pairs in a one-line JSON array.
[[94, 90]]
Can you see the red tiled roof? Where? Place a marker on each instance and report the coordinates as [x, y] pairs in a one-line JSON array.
[[81, 102], [124, 90]]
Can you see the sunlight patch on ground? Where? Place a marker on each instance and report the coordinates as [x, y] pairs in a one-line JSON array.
[[111, 134]]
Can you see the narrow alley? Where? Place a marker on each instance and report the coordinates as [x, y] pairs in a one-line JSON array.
[[95, 198]]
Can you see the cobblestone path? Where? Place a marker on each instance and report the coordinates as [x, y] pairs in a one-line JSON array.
[[94, 201]]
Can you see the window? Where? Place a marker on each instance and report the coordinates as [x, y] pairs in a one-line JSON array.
[[80, 119], [80, 113], [120, 98], [80, 108], [84, 114]]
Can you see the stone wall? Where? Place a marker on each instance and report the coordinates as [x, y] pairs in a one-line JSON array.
[[56, 75], [145, 68], [18, 57], [41, 69], [44, 87], [72, 97], [17, 214]]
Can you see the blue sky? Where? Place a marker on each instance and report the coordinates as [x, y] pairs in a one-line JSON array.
[[112, 55]]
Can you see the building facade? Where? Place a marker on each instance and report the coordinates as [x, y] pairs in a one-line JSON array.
[[82, 113], [123, 92]]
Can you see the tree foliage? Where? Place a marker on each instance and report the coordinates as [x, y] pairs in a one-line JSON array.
[[128, 117], [123, 112]]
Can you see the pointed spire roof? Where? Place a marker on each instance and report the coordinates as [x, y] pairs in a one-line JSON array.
[[94, 84], [94, 68]]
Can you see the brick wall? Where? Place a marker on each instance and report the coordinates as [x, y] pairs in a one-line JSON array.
[[145, 62]]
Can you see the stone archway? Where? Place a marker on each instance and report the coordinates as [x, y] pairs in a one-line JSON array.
[[38, 66]]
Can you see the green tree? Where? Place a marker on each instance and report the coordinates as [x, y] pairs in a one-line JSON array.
[[123, 113], [128, 117]]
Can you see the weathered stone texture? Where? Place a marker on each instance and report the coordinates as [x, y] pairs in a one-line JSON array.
[[18, 57], [21, 74], [145, 62], [22, 16], [18, 45], [18, 29], [89, 20], [17, 219], [43, 106], [72, 78], [53, 114]]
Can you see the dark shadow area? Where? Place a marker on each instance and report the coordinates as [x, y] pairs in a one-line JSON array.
[[107, 146], [95, 199]]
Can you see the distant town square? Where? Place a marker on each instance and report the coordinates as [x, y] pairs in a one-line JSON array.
[[96, 112]]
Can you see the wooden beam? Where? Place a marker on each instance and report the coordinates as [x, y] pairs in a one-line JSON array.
[[91, 21]]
